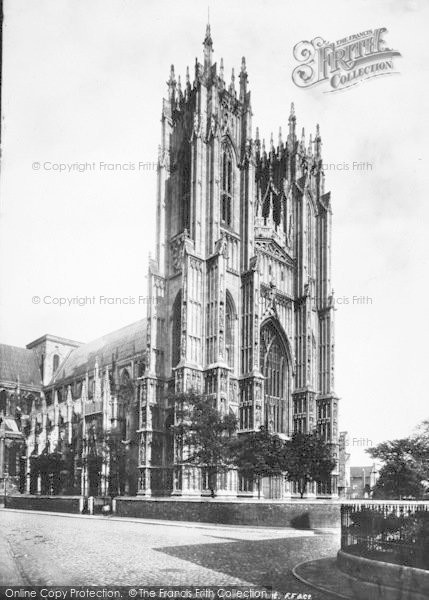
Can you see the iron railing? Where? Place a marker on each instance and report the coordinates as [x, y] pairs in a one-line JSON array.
[[388, 531]]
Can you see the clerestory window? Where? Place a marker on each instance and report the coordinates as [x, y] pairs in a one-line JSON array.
[[226, 188]]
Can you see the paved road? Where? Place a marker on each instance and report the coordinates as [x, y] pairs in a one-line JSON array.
[[51, 549]]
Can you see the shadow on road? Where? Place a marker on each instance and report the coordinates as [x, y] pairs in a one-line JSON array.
[[263, 563]]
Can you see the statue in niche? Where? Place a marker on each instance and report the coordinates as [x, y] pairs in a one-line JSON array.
[[223, 382], [221, 313], [213, 125], [221, 247]]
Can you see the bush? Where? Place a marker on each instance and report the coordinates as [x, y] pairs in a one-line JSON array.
[[403, 539]]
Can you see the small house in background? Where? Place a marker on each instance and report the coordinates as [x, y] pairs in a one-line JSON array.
[[362, 480]]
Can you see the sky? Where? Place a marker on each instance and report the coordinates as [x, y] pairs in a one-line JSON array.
[[83, 82]]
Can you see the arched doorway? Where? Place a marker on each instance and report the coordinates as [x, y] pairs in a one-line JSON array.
[[276, 367]]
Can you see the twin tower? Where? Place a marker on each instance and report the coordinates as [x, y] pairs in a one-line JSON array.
[[241, 302]]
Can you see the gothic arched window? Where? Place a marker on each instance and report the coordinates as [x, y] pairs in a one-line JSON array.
[[125, 378], [275, 368], [27, 405], [226, 187], [169, 439], [3, 401], [55, 362], [185, 183], [126, 383], [310, 243], [229, 330], [176, 330]]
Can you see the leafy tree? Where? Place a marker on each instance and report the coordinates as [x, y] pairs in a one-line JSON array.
[[115, 449], [205, 434], [258, 454], [398, 480], [67, 473], [307, 457], [420, 452], [48, 465], [404, 469]]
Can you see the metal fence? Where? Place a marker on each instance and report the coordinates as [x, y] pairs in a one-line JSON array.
[[391, 531]]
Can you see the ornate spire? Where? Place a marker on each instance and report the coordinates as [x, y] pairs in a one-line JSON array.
[[221, 75], [208, 48], [303, 140], [310, 145], [187, 84], [280, 143], [257, 142], [208, 39], [318, 143], [69, 399], [243, 80], [292, 117], [171, 83], [172, 78], [232, 84], [292, 124]]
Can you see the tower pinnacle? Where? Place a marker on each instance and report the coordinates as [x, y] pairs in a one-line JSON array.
[[292, 124], [243, 80], [318, 143], [208, 48], [208, 39]]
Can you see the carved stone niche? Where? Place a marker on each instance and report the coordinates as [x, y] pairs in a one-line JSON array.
[[223, 380], [233, 391], [142, 452], [176, 253]]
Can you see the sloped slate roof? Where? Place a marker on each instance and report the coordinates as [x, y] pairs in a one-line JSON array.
[[120, 344], [19, 364]]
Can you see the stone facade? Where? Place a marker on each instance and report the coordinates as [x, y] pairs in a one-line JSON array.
[[84, 397], [241, 301], [20, 390], [240, 306]]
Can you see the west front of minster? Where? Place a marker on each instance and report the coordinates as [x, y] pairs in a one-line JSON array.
[[240, 308]]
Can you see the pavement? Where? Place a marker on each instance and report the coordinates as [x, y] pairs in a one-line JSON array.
[[324, 576], [9, 572], [40, 548]]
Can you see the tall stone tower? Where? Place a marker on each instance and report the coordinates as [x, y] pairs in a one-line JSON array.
[[241, 307]]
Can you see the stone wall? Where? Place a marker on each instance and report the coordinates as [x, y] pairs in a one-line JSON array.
[[382, 580], [256, 513], [301, 515], [66, 504]]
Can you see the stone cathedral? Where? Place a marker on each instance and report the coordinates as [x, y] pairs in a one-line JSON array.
[[240, 308]]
